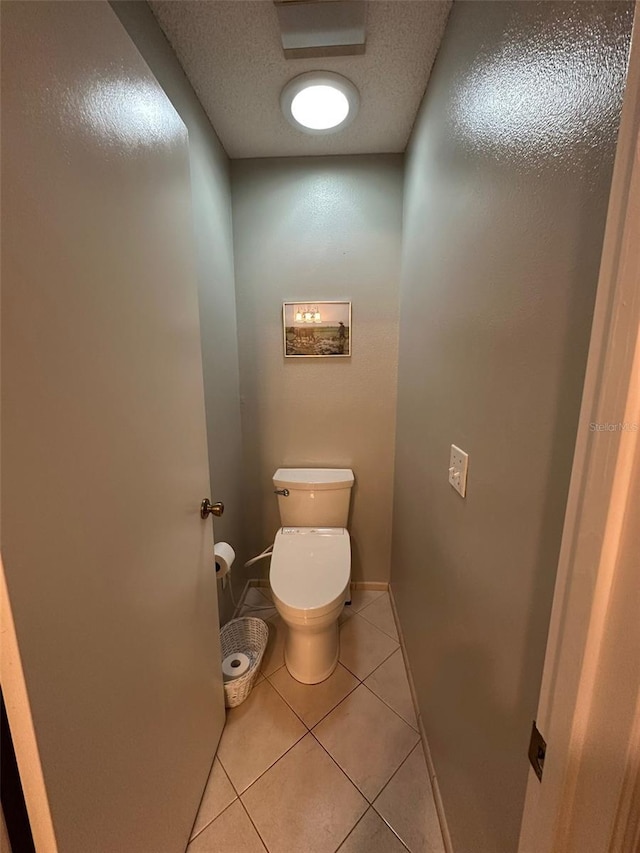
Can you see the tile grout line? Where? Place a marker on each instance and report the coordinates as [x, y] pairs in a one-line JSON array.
[[273, 764], [344, 773], [312, 732], [237, 797], [397, 770], [404, 665], [386, 785], [370, 803], [362, 680], [308, 732], [246, 810], [417, 743], [353, 829], [211, 822], [361, 613], [266, 770], [317, 723], [207, 825], [354, 825], [375, 627], [380, 699], [386, 633], [388, 594], [238, 793], [377, 667], [215, 755], [368, 604], [388, 825], [284, 699]]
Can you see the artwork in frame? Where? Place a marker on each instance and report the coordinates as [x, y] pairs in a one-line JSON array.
[[317, 329]]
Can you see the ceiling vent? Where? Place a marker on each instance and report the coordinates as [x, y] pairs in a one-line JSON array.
[[326, 28]]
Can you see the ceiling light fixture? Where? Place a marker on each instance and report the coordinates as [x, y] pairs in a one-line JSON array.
[[320, 102]]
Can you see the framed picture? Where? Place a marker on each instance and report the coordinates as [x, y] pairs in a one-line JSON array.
[[317, 329]]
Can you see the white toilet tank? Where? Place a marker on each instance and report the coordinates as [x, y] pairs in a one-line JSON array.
[[313, 497]]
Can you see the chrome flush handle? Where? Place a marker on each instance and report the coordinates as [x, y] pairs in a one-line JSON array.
[[283, 492]]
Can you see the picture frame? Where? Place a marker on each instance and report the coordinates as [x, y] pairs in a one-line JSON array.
[[315, 329]]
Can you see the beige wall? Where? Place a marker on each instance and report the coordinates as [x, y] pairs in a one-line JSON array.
[[320, 228], [210, 186], [589, 707], [506, 190]]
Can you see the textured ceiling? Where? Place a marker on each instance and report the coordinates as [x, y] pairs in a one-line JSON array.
[[232, 54]]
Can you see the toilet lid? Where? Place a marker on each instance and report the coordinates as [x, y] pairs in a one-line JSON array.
[[310, 567]]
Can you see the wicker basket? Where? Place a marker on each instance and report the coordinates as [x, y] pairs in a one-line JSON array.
[[249, 636]]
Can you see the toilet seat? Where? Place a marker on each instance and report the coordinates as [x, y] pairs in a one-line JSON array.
[[310, 568]]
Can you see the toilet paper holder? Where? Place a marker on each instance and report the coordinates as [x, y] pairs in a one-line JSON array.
[[224, 557]]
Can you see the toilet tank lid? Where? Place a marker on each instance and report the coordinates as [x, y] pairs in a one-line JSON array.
[[313, 478]]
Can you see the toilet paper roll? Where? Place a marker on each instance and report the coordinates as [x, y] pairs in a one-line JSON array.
[[224, 557], [235, 665]]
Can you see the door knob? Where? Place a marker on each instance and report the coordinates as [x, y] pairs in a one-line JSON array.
[[207, 509]]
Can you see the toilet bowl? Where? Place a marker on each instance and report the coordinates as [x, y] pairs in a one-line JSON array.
[[309, 577]]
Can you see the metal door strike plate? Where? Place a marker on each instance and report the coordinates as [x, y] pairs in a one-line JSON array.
[[537, 751]]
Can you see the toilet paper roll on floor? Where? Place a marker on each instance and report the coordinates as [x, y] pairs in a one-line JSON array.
[[224, 557], [235, 665]]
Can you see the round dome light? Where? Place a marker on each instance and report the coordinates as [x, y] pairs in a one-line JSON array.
[[319, 102], [320, 107]]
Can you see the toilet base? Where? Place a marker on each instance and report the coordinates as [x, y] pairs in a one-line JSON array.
[[310, 653]]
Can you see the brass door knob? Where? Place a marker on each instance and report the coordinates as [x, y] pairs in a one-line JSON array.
[[207, 509]]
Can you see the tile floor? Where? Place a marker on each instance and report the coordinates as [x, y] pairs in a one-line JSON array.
[[336, 766]]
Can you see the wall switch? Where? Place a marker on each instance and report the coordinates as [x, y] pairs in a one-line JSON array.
[[458, 463]]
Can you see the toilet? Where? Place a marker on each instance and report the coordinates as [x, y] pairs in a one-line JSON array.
[[311, 566]]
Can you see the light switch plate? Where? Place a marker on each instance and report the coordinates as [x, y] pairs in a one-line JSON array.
[[458, 464]]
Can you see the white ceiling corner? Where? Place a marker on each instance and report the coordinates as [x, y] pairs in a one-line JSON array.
[[231, 51]]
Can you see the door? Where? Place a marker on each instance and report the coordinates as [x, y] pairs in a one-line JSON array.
[[108, 565]]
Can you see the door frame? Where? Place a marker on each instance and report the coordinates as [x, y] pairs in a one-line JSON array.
[[14, 690], [598, 563]]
